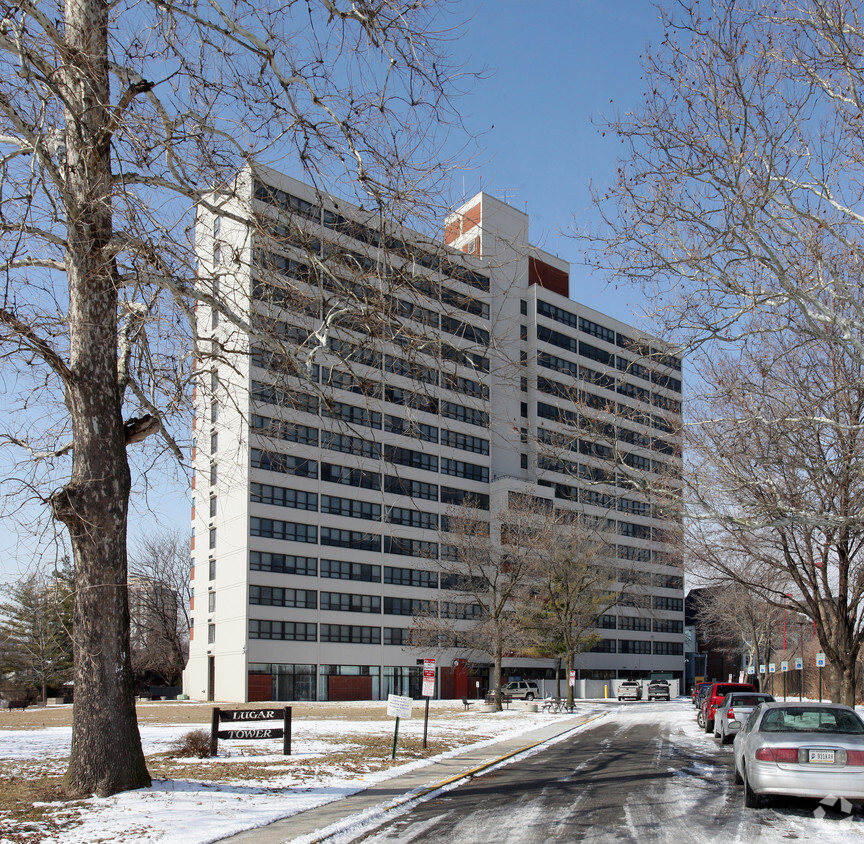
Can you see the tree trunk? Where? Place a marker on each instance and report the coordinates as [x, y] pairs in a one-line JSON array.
[[571, 661], [499, 705], [106, 755]]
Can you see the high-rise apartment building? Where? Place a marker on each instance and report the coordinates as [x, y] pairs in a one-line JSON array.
[[415, 376]]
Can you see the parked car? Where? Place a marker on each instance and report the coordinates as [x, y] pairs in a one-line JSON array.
[[735, 709], [629, 690], [698, 689], [801, 750], [658, 690], [714, 697], [521, 689]]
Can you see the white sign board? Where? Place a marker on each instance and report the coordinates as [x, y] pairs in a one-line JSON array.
[[572, 680], [751, 669], [820, 660], [784, 665], [772, 668], [399, 706], [799, 664], [428, 678], [762, 668]]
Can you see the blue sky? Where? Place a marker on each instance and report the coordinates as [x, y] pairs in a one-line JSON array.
[[554, 66]]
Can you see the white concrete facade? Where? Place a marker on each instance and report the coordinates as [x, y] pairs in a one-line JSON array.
[[316, 524]]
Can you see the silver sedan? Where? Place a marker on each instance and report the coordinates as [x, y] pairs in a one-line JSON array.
[[802, 750], [735, 709]]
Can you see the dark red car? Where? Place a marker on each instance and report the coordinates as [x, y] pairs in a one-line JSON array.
[[715, 697]]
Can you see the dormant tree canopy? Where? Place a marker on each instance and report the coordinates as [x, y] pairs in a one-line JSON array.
[[116, 119]]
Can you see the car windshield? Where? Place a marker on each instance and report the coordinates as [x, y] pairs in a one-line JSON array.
[[804, 719], [749, 700]]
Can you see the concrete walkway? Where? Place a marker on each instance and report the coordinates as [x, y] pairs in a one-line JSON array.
[[408, 786]]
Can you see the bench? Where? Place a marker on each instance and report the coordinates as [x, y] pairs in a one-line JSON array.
[[505, 699], [466, 703], [18, 704]]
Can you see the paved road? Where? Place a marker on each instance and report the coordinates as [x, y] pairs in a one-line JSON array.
[[645, 774]]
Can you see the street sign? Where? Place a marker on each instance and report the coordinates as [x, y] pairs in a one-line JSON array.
[[784, 665], [572, 678], [751, 669], [820, 660], [428, 677], [772, 668], [799, 664], [399, 706], [762, 668]]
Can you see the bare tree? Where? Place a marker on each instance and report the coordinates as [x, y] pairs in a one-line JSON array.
[[116, 122], [776, 484], [159, 597], [486, 565], [572, 583], [741, 178], [739, 620]]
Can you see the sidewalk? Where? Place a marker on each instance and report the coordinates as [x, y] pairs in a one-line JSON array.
[[405, 787]]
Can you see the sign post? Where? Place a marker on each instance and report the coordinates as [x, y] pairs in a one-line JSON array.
[[799, 666], [428, 691], [772, 670], [400, 707], [784, 667], [820, 664]]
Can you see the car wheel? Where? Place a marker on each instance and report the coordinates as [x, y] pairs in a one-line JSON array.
[[529, 696], [700, 720], [716, 730], [726, 738], [739, 780], [709, 726], [751, 799]]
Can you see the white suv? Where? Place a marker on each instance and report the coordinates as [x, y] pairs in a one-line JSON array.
[[523, 689], [630, 690]]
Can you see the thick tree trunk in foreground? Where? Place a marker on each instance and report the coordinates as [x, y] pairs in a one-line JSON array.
[[106, 755]]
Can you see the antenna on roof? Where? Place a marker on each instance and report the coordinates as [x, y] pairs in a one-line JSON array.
[[507, 194]]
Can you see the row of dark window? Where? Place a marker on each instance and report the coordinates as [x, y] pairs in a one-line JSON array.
[[365, 234], [638, 646], [362, 572], [354, 634], [276, 596], [623, 622], [608, 335]]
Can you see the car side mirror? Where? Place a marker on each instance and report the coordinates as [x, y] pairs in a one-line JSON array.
[[735, 725]]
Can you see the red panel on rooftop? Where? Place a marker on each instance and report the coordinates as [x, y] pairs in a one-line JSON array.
[[548, 277]]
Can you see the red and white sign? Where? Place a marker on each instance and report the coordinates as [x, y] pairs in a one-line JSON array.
[[428, 678], [572, 678]]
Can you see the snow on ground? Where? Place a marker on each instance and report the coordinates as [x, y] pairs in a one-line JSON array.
[[207, 811], [199, 811]]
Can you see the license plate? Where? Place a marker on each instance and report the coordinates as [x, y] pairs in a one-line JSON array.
[[821, 756]]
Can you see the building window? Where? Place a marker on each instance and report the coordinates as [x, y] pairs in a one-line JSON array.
[[350, 571], [626, 622], [411, 577], [272, 596], [214, 474], [523, 332], [347, 602], [604, 646], [282, 497], [523, 459], [668, 625], [283, 563], [211, 634], [211, 602], [211, 569], [410, 547], [212, 543], [396, 636], [523, 409], [350, 539], [462, 469], [673, 604], [605, 622], [406, 606], [213, 507], [291, 631], [633, 646], [351, 633], [289, 531], [668, 648], [523, 307]]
